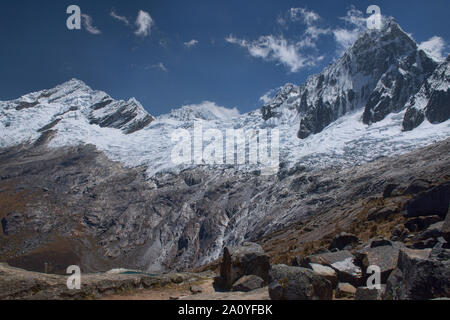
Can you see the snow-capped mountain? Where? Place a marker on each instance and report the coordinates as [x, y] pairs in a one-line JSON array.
[[379, 73], [352, 112], [147, 212], [40, 111]]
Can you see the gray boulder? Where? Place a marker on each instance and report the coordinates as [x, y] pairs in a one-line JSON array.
[[249, 259], [343, 262], [343, 240], [296, 283], [385, 257], [248, 283], [420, 275], [328, 273], [433, 202]]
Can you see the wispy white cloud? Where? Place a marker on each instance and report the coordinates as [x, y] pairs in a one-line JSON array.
[[303, 14], [191, 43], [355, 17], [434, 47], [290, 53], [144, 22], [160, 66], [118, 17], [88, 24], [273, 48], [356, 23], [312, 20], [345, 38]]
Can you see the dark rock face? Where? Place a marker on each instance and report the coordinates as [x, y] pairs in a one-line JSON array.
[[446, 228], [248, 283], [343, 240], [124, 115], [397, 86], [438, 109], [432, 101], [249, 259], [421, 275], [413, 118], [433, 202], [295, 283], [320, 116]]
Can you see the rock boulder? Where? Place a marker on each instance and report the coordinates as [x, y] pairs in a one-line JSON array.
[[420, 275], [296, 283], [248, 283], [249, 259], [433, 202], [343, 240]]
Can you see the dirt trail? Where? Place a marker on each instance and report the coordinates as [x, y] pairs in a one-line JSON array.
[[182, 292]]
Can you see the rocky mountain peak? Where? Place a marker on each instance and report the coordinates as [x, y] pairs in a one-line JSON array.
[[378, 74], [77, 101]]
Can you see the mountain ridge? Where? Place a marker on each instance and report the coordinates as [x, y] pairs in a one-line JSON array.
[[378, 73], [357, 102]]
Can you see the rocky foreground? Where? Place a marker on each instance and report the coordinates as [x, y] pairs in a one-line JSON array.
[[18, 284], [413, 262], [317, 231]]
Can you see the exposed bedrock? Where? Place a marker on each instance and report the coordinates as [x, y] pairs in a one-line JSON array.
[[73, 205]]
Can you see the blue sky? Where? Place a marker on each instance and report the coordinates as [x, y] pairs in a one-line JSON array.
[[186, 52]]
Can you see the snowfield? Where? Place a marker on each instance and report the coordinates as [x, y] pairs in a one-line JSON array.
[[346, 141]]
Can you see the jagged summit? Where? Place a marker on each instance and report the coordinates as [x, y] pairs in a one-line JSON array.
[[378, 74], [75, 99], [356, 110]]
